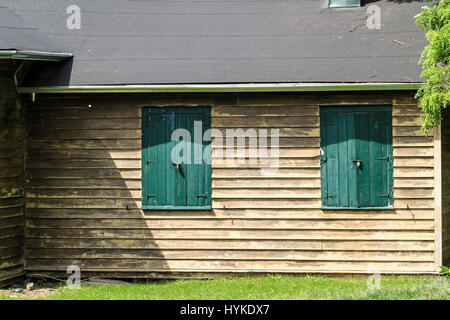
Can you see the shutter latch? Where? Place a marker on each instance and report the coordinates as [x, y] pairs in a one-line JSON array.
[[358, 163], [179, 168]]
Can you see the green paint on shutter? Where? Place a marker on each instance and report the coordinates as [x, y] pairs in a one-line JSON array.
[[356, 157], [329, 129], [344, 3], [181, 181]]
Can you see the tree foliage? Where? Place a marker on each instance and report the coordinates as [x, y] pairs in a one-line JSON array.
[[434, 96]]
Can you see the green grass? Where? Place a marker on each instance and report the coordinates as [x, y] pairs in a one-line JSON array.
[[270, 287]]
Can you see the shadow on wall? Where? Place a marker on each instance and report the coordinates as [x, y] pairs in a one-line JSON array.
[[11, 178], [84, 191], [445, 138]]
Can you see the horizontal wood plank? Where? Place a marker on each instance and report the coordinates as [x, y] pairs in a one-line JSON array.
[[231, 244], [173, 265], [236, 233], [226, 255]]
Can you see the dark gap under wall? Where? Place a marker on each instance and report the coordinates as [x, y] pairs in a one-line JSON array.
[[445, 135]]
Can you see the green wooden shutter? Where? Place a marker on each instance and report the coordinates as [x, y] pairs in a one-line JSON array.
[[170, 183], [338, 149], [349, 135], [198, 175], [374, 149]]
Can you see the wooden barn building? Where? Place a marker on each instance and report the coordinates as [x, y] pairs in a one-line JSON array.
[[90, 95]]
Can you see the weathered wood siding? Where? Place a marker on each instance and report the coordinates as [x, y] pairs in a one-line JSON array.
[[84, 170], [11, 177], [445, 136]]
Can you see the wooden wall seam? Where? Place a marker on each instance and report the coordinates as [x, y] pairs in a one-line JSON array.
[[21, 103], [438, 198]]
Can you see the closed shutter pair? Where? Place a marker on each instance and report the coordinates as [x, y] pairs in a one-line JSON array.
[[356, 157], [175, 173]]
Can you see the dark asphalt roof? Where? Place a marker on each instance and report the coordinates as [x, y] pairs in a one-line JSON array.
[[226, 41], [17, 34]]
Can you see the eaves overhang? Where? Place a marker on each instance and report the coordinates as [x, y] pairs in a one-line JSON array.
[[242, 87], [34, 55]]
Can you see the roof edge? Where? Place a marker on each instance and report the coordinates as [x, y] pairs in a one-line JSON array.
[[243, 87], [34, 55]]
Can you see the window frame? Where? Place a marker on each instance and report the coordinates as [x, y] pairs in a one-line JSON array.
[[344, 3], [145, 174], [354, 109]]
